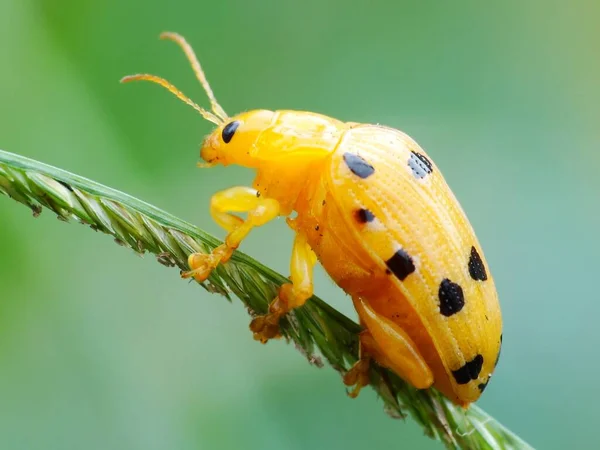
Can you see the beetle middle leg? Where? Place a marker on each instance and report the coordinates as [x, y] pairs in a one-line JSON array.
[[222, 204], [388, 344], [291, 295]]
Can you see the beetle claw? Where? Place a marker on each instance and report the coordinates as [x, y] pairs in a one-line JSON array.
[[266, 327], [202, 264], [357, 376]]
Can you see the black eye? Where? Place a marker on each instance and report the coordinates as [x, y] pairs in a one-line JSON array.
[[229, 131]]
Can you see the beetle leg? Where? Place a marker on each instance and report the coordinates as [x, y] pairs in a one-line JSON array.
[[291, 295], [358, 375], [236, 199], [389, 345]]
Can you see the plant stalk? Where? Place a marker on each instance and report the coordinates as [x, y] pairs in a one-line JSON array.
[[317, 329]]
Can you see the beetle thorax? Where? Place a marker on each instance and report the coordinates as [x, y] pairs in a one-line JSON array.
[[290, 154], [285, 147]]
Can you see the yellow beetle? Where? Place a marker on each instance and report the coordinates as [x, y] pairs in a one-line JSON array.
[[377, 213]]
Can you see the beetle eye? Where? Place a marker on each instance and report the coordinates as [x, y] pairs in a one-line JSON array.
[[229, 131]]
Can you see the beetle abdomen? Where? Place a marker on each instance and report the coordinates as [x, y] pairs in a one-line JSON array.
[[400, 240]]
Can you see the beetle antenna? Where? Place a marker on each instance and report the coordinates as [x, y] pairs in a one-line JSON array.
[[164, 83], [193, 59]]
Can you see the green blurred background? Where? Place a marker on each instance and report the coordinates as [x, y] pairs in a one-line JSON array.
[[101, 349]]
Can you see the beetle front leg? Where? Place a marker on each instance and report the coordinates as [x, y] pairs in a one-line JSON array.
[[291, 295], [222, 204]]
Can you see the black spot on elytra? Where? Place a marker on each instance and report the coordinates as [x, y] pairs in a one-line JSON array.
[[470, 371], [364, 215], [401, 264], [476, 267], [482, 386], [419, 164], [229, 131], [451, 297], [358, 165]]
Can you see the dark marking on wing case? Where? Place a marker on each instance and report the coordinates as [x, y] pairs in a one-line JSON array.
[[358, 165], [451, 296], [420, 165], [476, 267], [401, 264], [482, 386], [470, 371], [363, 215]]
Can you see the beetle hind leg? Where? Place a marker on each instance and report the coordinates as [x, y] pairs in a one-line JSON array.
[[387, 343], [358, 375]]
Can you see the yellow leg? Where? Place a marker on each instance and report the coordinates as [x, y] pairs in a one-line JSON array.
[[389, 345], [236, 199], [291, 295]]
